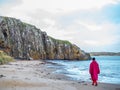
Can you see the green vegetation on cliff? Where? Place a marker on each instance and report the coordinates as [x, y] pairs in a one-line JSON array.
[[60, 41], [4, 58]]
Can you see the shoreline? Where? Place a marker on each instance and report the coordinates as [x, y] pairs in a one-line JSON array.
[[34, 74]]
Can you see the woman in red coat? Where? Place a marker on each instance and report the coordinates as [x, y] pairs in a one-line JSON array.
[[94, 71]]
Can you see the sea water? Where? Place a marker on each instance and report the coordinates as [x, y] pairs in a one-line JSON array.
[[79, 70]]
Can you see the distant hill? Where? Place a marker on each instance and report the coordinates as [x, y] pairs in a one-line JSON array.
[[105, 53]]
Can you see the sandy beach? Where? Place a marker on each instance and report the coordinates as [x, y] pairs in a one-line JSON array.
[[34, 75]]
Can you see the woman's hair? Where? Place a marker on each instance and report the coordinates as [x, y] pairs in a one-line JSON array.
[[93, 58]]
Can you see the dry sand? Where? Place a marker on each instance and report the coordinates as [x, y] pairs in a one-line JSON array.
[[34, 75]]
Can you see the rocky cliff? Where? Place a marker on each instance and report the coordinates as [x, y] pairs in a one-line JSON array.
[[22, 40]]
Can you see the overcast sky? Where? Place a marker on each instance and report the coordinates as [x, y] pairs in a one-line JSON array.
[[93, 25]]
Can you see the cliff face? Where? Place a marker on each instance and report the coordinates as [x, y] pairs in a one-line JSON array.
[[22, 40]]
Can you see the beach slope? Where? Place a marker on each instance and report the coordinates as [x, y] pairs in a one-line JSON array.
[[34, 75]]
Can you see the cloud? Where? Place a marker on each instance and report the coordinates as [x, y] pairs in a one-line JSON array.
[[6, 6], [63, 6], [66, 6], [90, 24]]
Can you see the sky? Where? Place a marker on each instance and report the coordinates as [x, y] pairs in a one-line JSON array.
[[93, 25]]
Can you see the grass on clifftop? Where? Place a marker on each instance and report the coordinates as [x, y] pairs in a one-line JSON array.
[[60, 41], [4, 58]]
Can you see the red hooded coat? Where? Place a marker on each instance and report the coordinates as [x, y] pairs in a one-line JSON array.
[[94, 70]]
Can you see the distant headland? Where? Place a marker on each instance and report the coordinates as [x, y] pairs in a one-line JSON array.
[[105, 53]]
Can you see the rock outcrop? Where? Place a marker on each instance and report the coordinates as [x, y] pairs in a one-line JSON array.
[[22, 40]]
